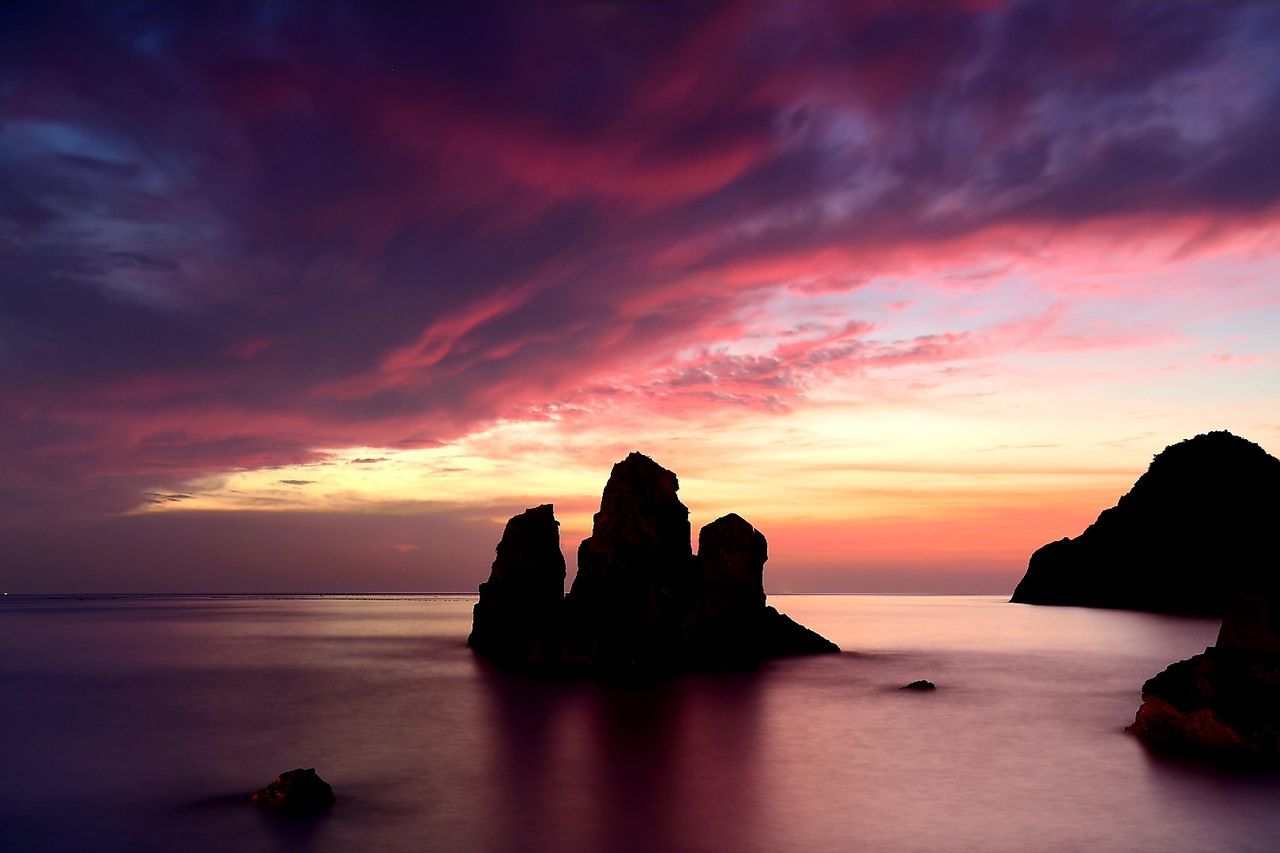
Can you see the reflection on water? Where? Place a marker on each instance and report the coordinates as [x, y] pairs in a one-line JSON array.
[[143, 724], [627, 766]]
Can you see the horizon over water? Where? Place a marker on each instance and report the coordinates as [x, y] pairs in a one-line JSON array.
[[144, 721]]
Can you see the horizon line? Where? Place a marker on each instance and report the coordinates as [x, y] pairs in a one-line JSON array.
[[474, 594]]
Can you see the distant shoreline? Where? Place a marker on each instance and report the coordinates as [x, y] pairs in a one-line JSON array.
[[380, 596]]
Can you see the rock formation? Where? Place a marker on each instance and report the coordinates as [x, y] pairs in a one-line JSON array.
[[922, 684], [641, 600], [517, 619], [1223, 704], [634, 570], [1194, 531], [726, 620], [296, 792]]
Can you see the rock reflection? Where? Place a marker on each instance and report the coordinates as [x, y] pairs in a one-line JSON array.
[[645, 765]]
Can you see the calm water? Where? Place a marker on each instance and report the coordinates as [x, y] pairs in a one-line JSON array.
[[142, 724]]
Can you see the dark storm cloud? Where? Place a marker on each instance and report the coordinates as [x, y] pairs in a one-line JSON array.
[[232, 233]]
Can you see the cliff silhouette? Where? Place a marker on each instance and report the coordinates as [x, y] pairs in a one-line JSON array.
[[1196, 530], [641, 600]]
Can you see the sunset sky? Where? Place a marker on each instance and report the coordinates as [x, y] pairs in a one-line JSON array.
[[313, 296]]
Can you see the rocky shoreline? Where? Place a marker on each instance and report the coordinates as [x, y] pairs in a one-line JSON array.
[[1222, 705]]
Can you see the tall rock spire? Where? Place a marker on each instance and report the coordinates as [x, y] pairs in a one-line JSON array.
[[517, 618]]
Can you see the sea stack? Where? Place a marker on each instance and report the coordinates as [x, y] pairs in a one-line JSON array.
[[642, 601], [1195, 531], [518, 616], [634, 572], [1224, 704]]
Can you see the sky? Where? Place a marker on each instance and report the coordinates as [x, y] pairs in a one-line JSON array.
[[313, 296]]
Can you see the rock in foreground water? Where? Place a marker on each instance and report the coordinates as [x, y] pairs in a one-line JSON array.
[[1224, 704], [642, 601], [922, 684], [296, 792]]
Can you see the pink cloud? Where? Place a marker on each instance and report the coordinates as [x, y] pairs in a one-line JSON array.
[[1226, 358]]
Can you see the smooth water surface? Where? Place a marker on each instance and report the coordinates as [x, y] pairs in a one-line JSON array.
[[144, 723]]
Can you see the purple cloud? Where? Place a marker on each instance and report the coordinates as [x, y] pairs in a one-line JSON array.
[[232, 234]]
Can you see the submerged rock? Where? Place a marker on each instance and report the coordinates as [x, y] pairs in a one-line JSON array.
[[1223, 704], [1194, 531], [641, 600], [296, 792], [919, 685]]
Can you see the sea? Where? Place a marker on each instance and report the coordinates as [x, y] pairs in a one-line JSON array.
[[143, 723]]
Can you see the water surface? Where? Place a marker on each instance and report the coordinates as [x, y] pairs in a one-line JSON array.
[[143, 723]]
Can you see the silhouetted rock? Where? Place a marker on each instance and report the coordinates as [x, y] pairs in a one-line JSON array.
[[1224, 704], [1252, 624], [634, 570], [782, 636], [919, 685], [727, 621], [296, 792], [517, 618], [1194, 531], [641, 600], [730, 574]]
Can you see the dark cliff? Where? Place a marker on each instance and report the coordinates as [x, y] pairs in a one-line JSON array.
[[1194, 531]]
